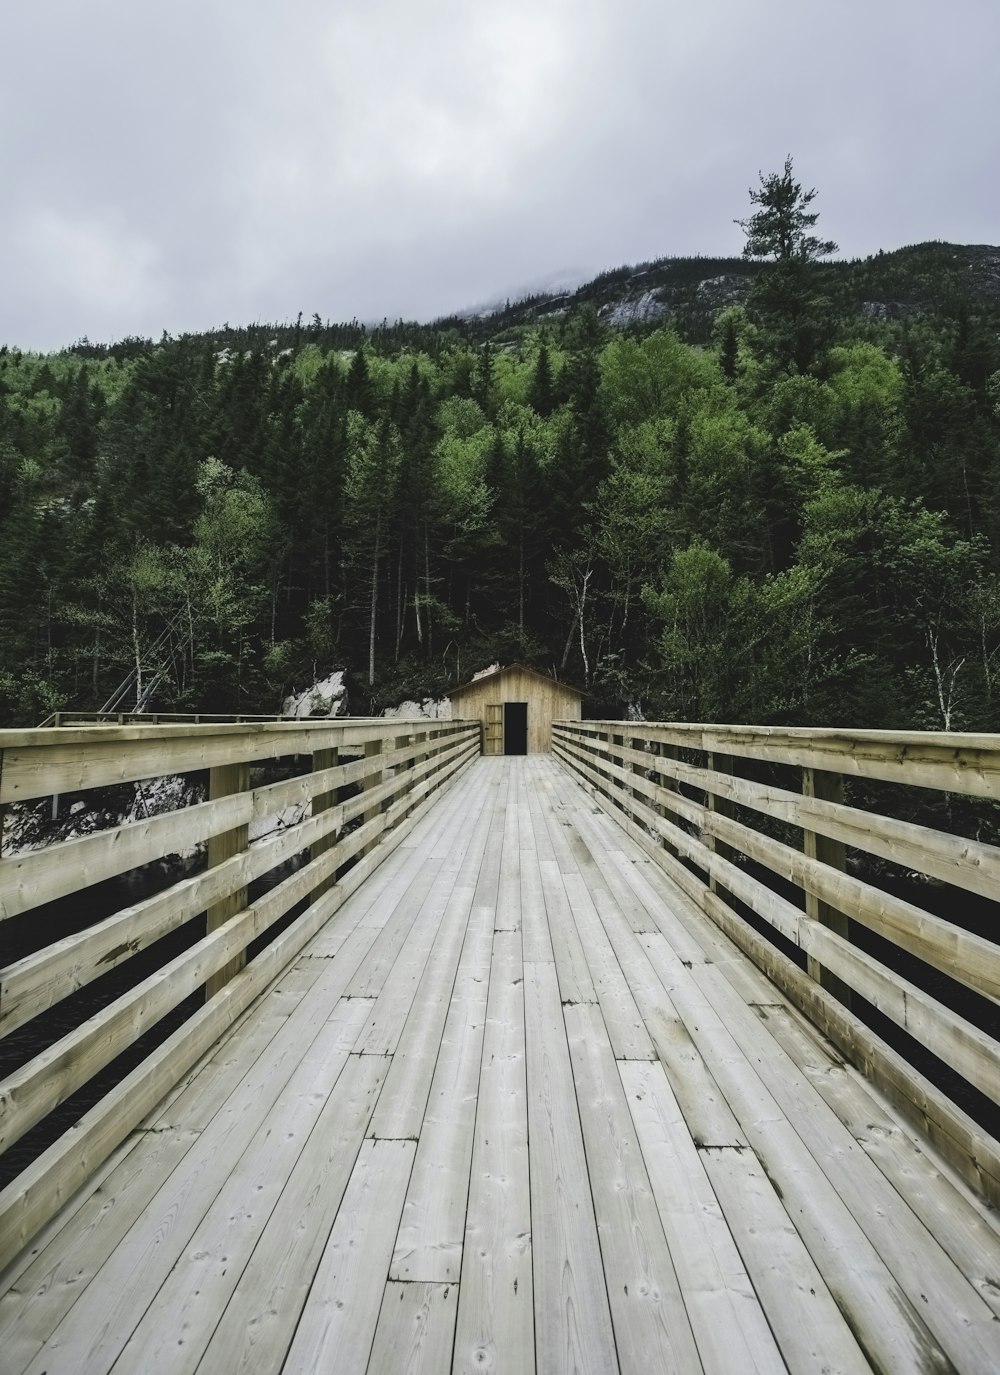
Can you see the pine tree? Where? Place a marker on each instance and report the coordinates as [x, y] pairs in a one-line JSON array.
[[786, 303]]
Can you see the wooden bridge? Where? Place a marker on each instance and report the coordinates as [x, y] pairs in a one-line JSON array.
[[604, 1060]]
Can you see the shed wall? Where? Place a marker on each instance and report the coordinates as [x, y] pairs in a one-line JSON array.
[[547, 702]]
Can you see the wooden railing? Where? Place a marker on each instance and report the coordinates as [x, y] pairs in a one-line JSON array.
[[363, 784], [768, 863]]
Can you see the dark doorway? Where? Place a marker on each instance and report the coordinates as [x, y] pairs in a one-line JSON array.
[[515, 728]]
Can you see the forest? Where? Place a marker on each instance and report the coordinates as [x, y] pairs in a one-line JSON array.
[[784, 508]]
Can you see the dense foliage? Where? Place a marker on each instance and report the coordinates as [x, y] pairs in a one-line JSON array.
[[787, 510]]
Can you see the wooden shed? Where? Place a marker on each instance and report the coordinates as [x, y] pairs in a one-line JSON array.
[[517, 706]]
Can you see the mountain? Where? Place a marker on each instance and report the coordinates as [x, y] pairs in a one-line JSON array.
[[922, 279]]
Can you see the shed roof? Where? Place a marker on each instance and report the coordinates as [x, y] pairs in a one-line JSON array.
[[514, 668]]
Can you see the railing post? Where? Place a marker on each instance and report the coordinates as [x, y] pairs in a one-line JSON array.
[[826, 787], [324, 759], [636, 743], [610, 786], [400, 742], [224, 780], [373, 748], [666, 783], [719, 763]]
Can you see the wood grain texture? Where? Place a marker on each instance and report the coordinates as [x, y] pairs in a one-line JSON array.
[[966, 1145], [573, 1331], [651, 1326], [729, 1325], [259, 1320], [337, 1327], [495, 1328], [177, 1326], [416, 1329]]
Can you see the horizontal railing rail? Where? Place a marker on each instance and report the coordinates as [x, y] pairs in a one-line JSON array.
[[363, 783], [769, 864]]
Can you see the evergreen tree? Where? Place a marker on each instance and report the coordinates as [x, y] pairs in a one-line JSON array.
[[786, 301]]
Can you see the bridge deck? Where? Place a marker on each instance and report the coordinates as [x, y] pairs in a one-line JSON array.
[[518, 1107]]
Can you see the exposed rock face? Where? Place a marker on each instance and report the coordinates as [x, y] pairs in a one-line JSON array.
[[634, 310], [31, 825], [885, 310], [326, 698], [430, 707], [885, 286]]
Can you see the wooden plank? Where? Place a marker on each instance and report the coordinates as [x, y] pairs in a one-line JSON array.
[[416, 1329], [44, 1082], [966, 1146], [949, 761], [103, 1210], [538, 769], [27, 881], [625, 1026], [32, 1198], [629, 1036], [575, 983], [953, 859], [170, 1205], [509, 889], [323, 760], [954, 1216], [374, 902], [652, 1330], [709, 1118], [39, 767], [384, 1025], [403, 1101], [176, 1327], [889, 1327], [337, 1327], [493, 734], [36, 982], [949, 1036], [204, 1093], [33, 1305], [259, 1321], [495, 1305], [310, 733], [535, 938], [40, 980], [393, 925], [572, 1319], [12, 1275], [432, 1230], [223, 781], [959, 1319], [729, 1326], [808, 1325]]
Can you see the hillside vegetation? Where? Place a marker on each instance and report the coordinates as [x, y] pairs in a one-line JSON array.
[[759, 490]]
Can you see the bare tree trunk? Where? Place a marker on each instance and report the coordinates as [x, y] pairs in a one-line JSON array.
[[417, 619], [374, 599], [427, 588], [569, 640], [944, 679], [581, 598], [135, 651]]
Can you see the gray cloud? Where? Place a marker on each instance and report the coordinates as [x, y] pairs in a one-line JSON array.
[[174, 166]]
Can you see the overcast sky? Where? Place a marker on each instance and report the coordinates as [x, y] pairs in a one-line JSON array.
[[173, 164]]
